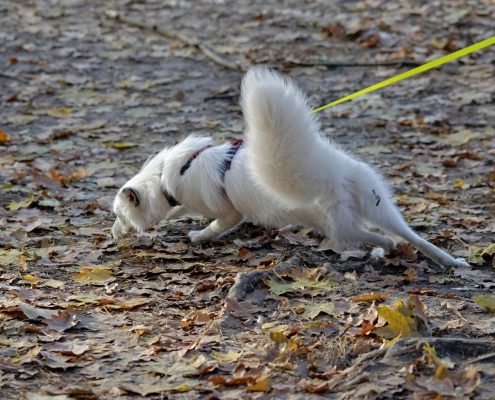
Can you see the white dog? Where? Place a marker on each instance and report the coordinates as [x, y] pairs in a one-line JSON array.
[[285, 173]]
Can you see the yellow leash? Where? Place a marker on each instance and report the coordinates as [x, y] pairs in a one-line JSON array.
[[418, 70]]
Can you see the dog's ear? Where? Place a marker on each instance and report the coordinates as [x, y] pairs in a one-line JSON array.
[[132, 195], [147, 161]]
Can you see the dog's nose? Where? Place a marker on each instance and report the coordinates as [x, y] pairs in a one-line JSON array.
[[117, 231]]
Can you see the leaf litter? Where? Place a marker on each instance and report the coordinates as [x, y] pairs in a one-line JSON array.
[[260, 314]]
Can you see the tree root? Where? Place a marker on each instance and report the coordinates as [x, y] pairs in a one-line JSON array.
[[247, 282], [455, 348]]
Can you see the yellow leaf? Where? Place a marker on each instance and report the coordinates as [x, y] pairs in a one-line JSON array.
[[16, 205], [299, 309], [397, 323], [373, 296], [122, 145], [260, 386], [95, 276], [460, 184], [278, 336], [393, 341], [441, 372], [487, 301], [59, 112], [293, 345], [183, 388], [31, 278], [229, 357], [460, 138]]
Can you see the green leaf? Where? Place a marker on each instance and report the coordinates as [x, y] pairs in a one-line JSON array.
[[460, 138], [278, 286], [480, 255], [229, 357], [52, 203], [311, 311], [16, 205], [21, 119], [59, 112], [9, 257], [487, 301]]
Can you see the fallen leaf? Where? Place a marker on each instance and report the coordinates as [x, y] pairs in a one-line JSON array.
[[278, 286], [373, 296], [122, 145], [34, 313], [260, 386], [57, 361], [59, 112], [480, 255], [316, 387], [16, 205], [460, 138], [21, 119], [129, 304], [229, 357], [311, 311], [486, 301], [61, 321], [94, 276], [4, 138], [53, 283], [31, 278], [278, 336], [401, 320]]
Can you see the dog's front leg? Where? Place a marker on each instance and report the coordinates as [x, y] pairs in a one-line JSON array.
[[177, 212], [216, 228]]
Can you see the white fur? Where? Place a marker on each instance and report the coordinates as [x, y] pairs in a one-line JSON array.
[[285, 173], [297, 167]]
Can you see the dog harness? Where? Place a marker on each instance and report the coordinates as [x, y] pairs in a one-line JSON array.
[[223, 169]]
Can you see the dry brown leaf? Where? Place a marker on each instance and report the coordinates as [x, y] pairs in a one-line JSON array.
[[369, 297], [94, 276]]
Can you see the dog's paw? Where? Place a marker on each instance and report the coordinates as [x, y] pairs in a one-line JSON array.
[[197, 236], [378, 253]]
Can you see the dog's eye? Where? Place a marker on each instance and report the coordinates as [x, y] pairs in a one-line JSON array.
[[132, 195]]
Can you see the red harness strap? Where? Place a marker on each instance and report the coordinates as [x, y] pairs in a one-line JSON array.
[[223, 168], [186, 166], [234, 147]]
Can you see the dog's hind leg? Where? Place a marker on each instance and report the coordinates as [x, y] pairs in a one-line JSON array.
[[375, 239], [388, 217], [345, 231], [216, 228]]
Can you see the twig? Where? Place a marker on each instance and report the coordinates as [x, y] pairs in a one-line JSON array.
[[206, 50], [483, 357], [5, 76], [335, 65]]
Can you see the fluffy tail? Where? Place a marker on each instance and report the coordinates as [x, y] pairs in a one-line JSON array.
[[282, 134]]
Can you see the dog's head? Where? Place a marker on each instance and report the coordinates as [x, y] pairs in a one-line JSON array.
[[140, 203]]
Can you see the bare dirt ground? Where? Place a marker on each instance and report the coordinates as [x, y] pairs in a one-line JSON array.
[[89, 89]]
